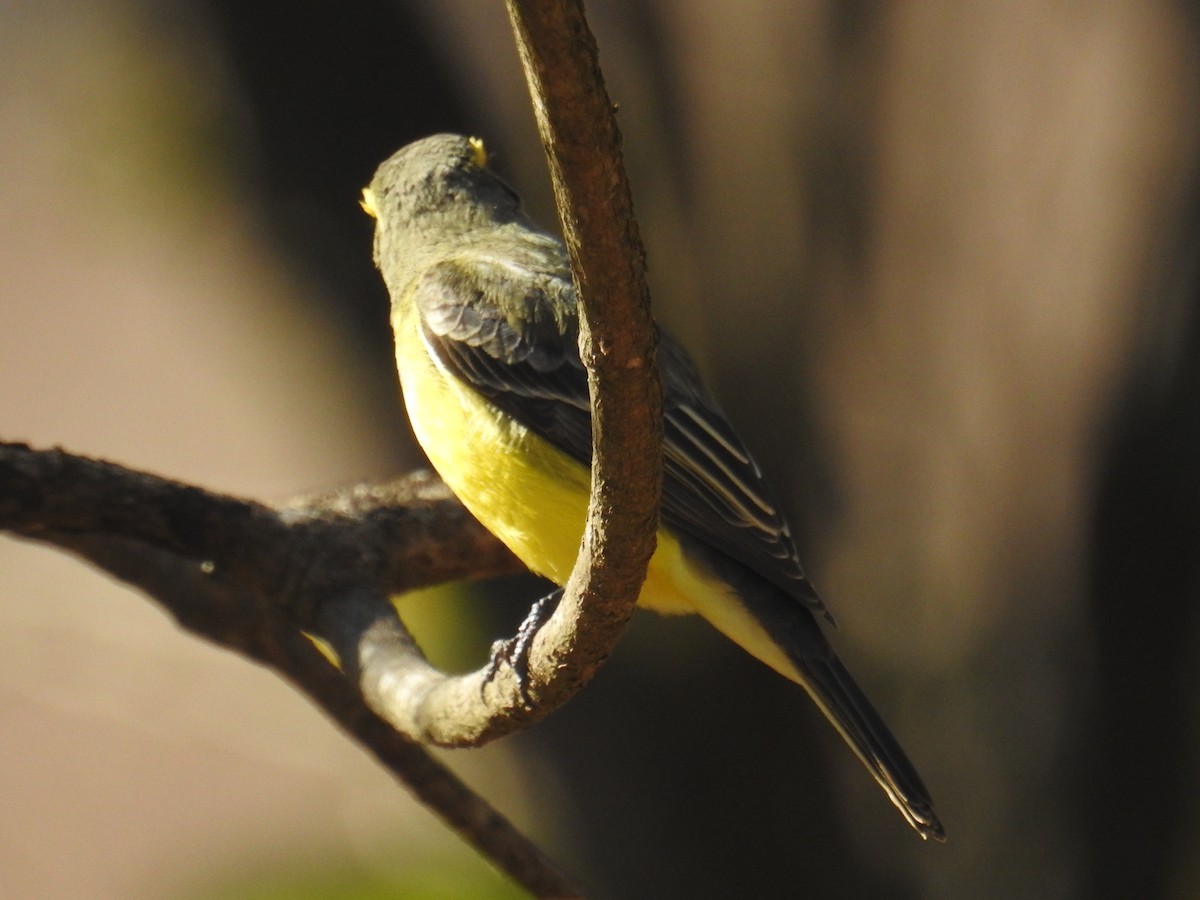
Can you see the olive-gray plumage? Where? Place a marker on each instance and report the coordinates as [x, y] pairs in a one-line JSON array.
[[487, 343]]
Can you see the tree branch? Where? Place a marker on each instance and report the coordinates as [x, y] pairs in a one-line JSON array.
[[227, 570], [618, 341], [399, 536]]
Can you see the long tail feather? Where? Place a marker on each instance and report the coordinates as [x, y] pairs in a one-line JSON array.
[[782, 632], [848, 708]]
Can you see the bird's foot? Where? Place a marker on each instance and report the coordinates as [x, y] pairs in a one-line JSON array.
[[514, 651]]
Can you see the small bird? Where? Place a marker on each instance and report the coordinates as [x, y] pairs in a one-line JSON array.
[[486, 324]]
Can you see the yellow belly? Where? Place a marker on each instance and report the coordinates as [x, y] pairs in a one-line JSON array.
[[528, 493], [534, 498]]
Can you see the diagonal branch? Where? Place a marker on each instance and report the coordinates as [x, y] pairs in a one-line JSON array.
[[220, 566]]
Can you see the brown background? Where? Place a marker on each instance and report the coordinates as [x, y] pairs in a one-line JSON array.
[[939, 259]]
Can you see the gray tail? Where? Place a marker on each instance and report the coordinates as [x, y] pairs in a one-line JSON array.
[[848, 708], [791, 627]]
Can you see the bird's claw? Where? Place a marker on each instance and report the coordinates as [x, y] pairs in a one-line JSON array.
[[514, 651]]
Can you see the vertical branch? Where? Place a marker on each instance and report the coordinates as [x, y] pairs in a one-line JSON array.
[[617, 338]]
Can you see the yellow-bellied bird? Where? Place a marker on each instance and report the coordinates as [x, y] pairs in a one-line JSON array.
[[486, 327]]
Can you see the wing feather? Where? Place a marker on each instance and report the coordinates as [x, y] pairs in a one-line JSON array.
[[521, 351]]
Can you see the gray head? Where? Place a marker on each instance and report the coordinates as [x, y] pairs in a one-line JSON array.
[[436, 190]]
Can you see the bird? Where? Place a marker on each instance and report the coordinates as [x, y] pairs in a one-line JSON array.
[[486, 324]]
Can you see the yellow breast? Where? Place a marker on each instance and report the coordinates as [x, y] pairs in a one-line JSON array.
[[533, 497], [528, 493]]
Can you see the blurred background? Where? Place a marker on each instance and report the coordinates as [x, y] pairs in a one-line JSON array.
[[940, 261]]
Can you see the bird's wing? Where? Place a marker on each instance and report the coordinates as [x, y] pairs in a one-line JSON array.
[[521, 351]]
